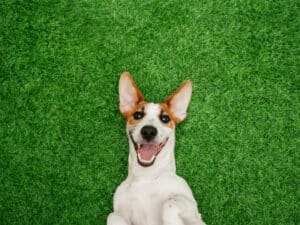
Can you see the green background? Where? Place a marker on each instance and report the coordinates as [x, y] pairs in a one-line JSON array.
[[62, 140]]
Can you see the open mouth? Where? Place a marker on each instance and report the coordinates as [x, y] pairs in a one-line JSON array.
[[146, 153]]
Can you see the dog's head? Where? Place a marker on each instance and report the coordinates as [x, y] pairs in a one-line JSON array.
[[149, 125]]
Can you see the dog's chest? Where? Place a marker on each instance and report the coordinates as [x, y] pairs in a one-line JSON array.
[[141, 201]]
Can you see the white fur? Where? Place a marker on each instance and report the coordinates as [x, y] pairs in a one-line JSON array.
[[152, 111], [154, 195]]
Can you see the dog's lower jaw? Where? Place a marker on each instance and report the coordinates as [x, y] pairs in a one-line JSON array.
[[164, 162]]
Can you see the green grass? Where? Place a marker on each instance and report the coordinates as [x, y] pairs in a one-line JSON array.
[[63, 148]]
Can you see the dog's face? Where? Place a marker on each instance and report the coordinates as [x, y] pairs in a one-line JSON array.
[[150, 125]]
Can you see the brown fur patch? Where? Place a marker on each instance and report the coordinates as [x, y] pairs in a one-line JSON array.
[[129, 115], [164, 107]]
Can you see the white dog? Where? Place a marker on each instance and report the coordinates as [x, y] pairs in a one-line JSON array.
[[153, 194]]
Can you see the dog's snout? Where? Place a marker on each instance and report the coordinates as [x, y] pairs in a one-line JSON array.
[[148, 132]]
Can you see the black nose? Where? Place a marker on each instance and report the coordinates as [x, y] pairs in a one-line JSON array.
[[148, 132]]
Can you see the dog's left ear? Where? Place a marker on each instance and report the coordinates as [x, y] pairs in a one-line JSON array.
[[179, 101], [129, 94]]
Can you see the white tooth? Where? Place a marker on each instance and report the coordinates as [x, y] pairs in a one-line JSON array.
[[152, 158], [146, 161]]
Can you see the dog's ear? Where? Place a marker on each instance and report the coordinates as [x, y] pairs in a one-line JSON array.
[[179, 101], [129, 94]]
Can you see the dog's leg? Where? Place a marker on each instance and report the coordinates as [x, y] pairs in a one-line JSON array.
[[180, 210], [115, 219]]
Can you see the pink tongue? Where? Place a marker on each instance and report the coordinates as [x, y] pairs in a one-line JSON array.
[[147, 151]]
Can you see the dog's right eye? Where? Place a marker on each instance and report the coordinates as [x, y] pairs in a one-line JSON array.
[[138, 115]]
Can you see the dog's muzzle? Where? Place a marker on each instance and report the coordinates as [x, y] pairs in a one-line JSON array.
[[146, 153]]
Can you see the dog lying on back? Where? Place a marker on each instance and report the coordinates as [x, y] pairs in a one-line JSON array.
[[153, 194]]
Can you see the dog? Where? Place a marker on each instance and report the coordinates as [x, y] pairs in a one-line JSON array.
[[153, 194]]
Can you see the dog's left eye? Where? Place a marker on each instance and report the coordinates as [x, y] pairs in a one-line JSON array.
[[138, 115], [164, 118]]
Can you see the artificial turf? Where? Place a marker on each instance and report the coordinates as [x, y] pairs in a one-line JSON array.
[[63, 147]]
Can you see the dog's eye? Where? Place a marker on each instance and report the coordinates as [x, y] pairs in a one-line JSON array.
[[164, 118], [138, 115]]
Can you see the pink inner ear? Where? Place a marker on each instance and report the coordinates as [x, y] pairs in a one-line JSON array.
[[129, 94], [179, 101]]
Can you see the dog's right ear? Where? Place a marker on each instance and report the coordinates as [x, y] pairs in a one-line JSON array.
[[179, 101], [129, 94]]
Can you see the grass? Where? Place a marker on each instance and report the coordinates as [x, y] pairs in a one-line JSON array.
[[63, 148]]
